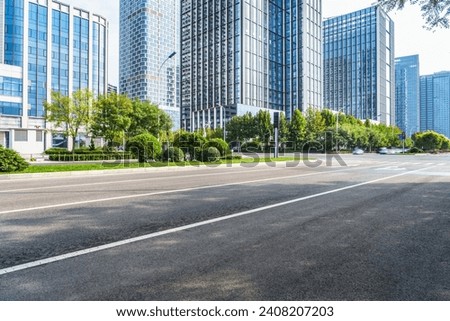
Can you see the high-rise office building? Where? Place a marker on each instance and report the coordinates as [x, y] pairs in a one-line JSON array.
[[242, 56], [45, 46], [435, 102], [407, 94], [359, 64], [149, 53]]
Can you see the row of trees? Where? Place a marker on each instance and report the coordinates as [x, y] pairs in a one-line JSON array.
[[117, 118], [114, 117], [314, 128]]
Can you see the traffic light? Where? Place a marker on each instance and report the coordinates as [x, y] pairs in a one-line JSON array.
[[276, 120]]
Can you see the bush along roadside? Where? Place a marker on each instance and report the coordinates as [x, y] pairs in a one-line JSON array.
[[11, 161]]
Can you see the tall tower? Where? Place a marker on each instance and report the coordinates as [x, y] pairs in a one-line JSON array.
[[149, 53], [435, 102], [407, 94], [359, 65], [245, 56]]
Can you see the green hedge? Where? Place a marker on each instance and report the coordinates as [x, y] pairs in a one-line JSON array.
[[57, 151], [90, 157]]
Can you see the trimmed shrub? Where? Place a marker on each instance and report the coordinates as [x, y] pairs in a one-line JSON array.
[[173, 154], [11, 161], [220, 144], [145, 147], [210, 155], [188, 142]]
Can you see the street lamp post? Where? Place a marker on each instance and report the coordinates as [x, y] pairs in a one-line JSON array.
[[337, 128], [2, 142], [222, 113], [160, 82]]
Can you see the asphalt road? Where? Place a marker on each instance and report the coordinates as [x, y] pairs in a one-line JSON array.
[[375, 229]]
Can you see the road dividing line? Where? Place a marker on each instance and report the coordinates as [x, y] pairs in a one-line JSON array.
[[191, 226]]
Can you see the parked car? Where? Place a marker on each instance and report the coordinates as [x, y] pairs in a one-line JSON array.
[[383, 150], [358, 151]]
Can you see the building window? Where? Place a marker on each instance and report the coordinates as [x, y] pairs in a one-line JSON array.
[[21, 136], [39, 136]]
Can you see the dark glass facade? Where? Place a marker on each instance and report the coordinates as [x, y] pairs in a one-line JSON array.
[[435, 102], [359, 64], [37, 59], [60, 51], [407, 94], [13, 32], [248, 55]]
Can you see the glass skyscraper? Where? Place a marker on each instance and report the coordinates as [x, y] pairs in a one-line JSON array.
[[407, 94], [359, 64], [435, 102], [149, 53], [242, 55], [45, 46]]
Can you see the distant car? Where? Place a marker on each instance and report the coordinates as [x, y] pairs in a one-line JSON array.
[[358, 151], [383, 151]]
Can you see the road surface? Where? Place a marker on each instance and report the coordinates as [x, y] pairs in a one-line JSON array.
[[375, 229]]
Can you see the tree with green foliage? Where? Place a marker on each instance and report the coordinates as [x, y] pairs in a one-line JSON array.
[[214, 133], [69, 114], [315, 125], [112, 117], [430, 140], [435, 12], [242, 128], [147, 117], [264, 127], [329, 118], [297, 129]]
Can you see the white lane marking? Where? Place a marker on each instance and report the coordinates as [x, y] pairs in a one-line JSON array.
[[190, 226], [391, 168], [189, 189], [125, 181]]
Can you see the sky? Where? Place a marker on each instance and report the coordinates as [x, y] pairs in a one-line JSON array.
[[433, 47]]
